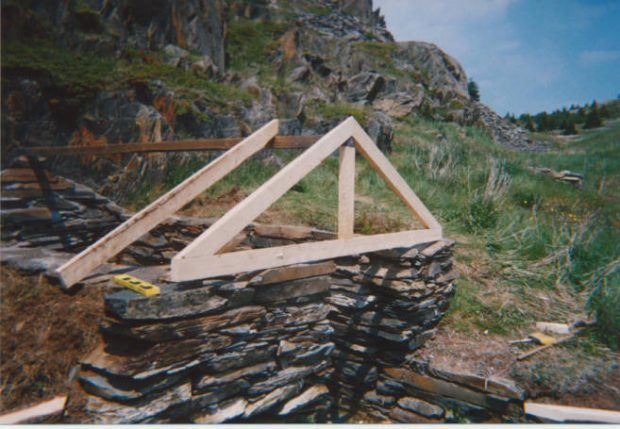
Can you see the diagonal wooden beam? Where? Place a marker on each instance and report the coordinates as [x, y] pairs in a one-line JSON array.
[[210, 241], [346, 191], [382, 165], [148, 218]]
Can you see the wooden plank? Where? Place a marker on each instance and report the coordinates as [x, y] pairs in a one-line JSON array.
[[205, 266], [346, 191], [278, 142], [148, 218], [247, 210], [382, 165], [562, 413], [44, 409]]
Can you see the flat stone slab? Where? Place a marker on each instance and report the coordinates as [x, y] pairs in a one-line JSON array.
[[421, 407], [207, 381], [223, 412], [174, 301], [120, 389], [163, 358], [104, 412], [269, 294], [309, 396], [33, 259], [272, 399], [292, 272], [184, 328]]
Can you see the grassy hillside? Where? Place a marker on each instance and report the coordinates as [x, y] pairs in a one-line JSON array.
[[529, 248]]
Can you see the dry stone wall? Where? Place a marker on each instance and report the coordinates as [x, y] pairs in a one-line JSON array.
[[316, 342]]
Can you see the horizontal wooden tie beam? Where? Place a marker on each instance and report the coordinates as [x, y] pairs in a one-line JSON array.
[[186, 269], [278, 142]]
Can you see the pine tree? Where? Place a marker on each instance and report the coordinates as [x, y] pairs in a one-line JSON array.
[[474, 92], [570, 128], [593, 120]]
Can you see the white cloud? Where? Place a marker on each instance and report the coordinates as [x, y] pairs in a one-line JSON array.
[[595, 57]]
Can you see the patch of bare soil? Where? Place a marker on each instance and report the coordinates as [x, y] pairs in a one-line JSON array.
[[43, 334], [580, 373]]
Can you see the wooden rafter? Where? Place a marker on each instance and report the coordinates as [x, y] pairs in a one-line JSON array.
[[148, 218]]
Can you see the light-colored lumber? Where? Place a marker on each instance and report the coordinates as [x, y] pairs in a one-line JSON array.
[[142, 222], [382, 165], [44, 409], [278, 142], [561, 340], [346, 191], [206, 266], [565, 414], [247, 210]]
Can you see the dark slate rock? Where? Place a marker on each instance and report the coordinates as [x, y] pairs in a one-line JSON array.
[[421, 407], [218, 393], [268, 294], [272, 399], [100, 411], [243, 356], [206, 381], [184, 328], [382, 400], [174, 301], [223, 412], [308, 397], [120, 389], [286, 376], [312, 354], [163, 358]]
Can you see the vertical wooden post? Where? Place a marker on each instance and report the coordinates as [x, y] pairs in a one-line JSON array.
[[346, 191]]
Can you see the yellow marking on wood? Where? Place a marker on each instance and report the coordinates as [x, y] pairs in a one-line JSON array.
[[137, 285]]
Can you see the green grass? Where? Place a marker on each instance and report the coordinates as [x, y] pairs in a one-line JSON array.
[[83, 73], [250, 42], [525, 234]]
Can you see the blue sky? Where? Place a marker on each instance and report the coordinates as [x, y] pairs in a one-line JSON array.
[[525, 55]]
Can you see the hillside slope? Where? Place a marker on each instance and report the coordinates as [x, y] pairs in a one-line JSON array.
[[103, 72]]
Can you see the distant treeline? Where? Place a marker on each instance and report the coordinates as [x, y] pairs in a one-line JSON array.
[[591, 115]]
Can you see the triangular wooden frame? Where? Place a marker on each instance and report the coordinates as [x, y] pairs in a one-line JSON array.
[[199, 259]]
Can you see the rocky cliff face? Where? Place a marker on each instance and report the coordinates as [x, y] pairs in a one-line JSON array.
[[109, 71]]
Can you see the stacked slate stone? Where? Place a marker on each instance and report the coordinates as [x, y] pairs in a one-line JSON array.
[[384, 306], [251, 349], [421, 393], [57, 214]]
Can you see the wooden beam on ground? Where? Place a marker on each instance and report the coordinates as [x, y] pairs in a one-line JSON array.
[[278, 142], [346, 191], [148, 218], [565, 414], [33, 414], [185, 269], [212, 240], [382, 165]]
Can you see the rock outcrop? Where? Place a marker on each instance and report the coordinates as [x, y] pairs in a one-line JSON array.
[[146, 71]]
